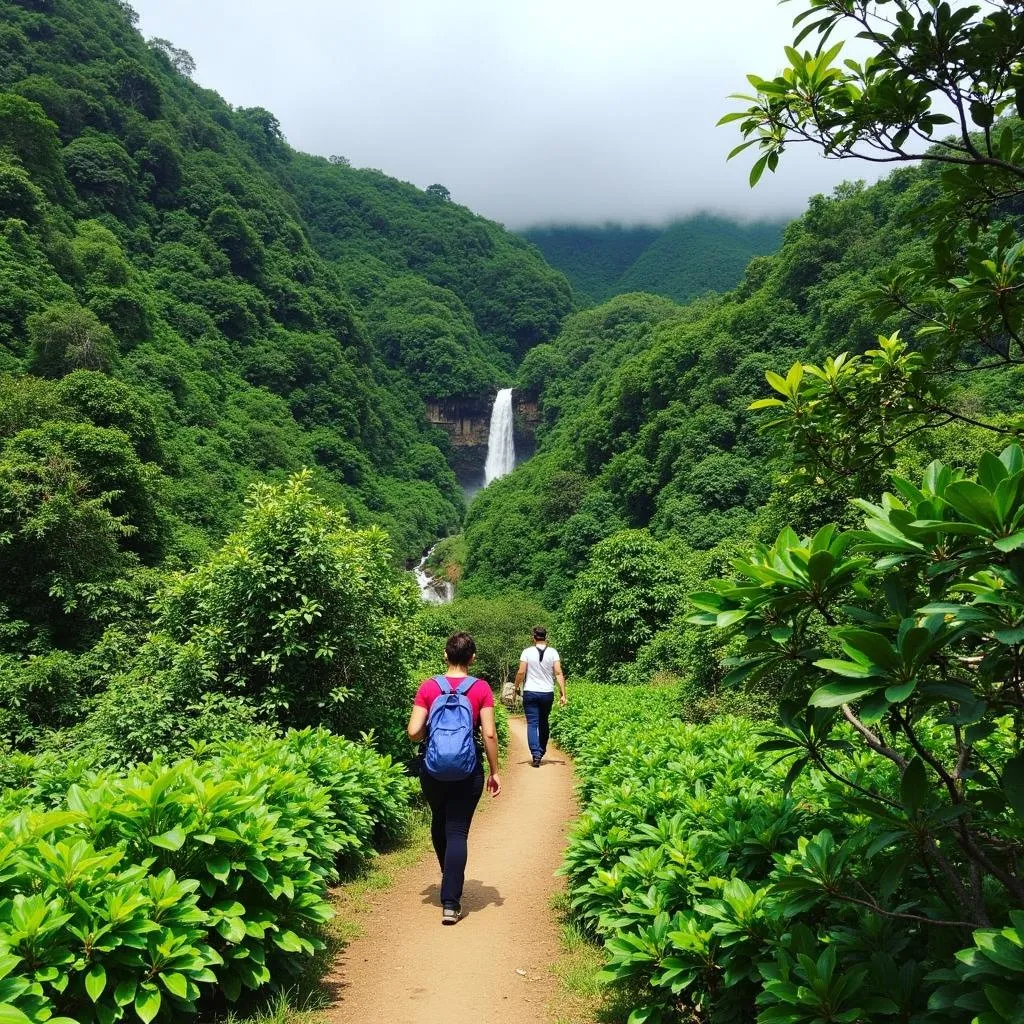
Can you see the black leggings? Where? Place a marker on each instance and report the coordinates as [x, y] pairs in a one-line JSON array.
[[451, 812]]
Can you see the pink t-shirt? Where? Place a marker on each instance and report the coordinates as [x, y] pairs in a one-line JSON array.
[[479, 695]]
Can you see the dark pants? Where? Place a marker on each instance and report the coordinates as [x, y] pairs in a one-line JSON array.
[[451, 812], [537, 708]]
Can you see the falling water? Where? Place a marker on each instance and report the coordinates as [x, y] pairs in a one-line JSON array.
[[501, 446]]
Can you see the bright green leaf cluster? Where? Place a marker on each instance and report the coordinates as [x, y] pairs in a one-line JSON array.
[[138, 896]]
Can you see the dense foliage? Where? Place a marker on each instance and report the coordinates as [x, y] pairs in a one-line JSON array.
[[500, 626], [724, 889], [681, 261], [645, 402], [188, 306], [914, 280], [181, 886], [297, 620], [961, 294], [859, 860]]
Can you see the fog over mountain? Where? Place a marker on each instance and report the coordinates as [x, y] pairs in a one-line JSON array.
[[536, 112]]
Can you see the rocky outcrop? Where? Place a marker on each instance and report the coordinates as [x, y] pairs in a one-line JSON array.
[[467, 421], [527, 419]]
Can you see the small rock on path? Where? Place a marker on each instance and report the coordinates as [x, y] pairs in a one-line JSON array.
[[493, 966]]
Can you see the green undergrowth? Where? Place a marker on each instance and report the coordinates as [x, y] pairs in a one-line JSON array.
[[351, 901], [186, 887], [725, 888]]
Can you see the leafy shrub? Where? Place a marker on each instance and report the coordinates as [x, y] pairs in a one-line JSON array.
[[626, 594], [725, 886], [140, 896], [303, 617]]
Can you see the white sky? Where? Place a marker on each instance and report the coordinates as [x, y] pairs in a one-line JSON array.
[[529, 111]]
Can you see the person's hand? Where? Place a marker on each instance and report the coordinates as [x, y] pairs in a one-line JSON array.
[[494, 785], [563, 700]]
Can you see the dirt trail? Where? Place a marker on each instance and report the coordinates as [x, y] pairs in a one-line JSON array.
[[409, 969]]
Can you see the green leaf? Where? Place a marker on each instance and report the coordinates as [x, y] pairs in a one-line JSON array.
[[793, 774], [914, 786], [219, 867], [95, 981], [1013, 784], [900, 691], [730, 618], [172, 840], [982, 114], [871, 645], [873, 708], [850, 669], [831, 695], [757, 170], [991, 471], [820, 566], [739, 149], [644, 1015], [147, 1002], [125, 992], [1011, 543], [12, 1015], [972, 502], [176, 984]]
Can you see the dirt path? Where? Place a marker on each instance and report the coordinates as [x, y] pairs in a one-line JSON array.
[[409, 969]]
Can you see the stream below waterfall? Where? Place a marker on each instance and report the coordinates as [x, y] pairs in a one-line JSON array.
[[433, 591], [501, 460]]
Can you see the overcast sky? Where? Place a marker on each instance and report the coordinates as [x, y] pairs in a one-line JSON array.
[[529, 111]]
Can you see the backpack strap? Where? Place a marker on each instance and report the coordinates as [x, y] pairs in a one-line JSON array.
[[466, 685], [442, 682], [540, 652]]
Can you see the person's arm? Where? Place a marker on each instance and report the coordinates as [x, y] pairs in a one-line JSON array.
[[417, 727], [490, 737], [561, 684], [520, 676]]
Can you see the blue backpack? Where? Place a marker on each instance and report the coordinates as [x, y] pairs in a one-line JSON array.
[[451, 751]]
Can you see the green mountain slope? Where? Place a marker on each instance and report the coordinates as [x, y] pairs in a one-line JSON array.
[[681, 261], [255, 308], [645, 402], [698, 255], [593, 258]]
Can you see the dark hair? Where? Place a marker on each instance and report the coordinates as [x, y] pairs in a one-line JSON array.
[[540, 633], [459, 649]]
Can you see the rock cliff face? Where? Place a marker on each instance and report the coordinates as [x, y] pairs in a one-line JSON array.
[[527, 419], [467, 422]]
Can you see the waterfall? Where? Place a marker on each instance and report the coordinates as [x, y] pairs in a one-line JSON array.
[[501, 446]]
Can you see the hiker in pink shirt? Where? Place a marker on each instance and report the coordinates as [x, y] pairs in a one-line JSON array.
[[453, 713]]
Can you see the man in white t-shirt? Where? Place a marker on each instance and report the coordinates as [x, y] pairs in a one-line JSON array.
[[539, 667]]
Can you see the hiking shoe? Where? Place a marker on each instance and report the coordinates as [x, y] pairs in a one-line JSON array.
[[535, 762], [451, 915]]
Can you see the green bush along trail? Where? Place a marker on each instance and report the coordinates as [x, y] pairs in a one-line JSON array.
[[143, 895]]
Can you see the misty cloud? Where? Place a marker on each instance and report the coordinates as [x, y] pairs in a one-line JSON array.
[[530, 111]]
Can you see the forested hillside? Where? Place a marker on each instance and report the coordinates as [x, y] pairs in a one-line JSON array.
[[252, 308], [793, 517], [644, 401], [214, 352], [646, 429], [681, 261], [788, 516]]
